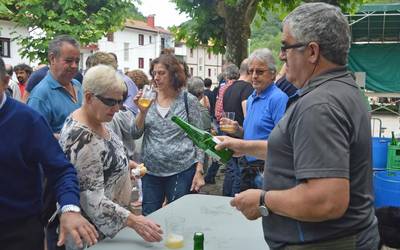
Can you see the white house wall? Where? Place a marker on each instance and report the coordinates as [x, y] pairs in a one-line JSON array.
[[9, 30], [148, 51], [199, 63]]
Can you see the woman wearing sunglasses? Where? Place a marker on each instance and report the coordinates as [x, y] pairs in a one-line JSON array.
[[100, 159]]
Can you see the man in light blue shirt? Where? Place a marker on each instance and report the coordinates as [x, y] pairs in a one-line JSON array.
[[58, 94], [264, 110], [265, 107]]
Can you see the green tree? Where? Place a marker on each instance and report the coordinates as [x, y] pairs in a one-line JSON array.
[[224, 25], [87, 21], [266, 33]]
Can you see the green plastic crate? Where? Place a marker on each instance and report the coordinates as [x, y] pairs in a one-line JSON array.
[[393, 157]]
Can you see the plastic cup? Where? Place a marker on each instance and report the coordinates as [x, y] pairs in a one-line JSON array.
[[175, 230], [228, 128], [147, 96]]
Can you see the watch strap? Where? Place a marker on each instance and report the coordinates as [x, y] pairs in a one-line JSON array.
[[70, 208], [262, 198]]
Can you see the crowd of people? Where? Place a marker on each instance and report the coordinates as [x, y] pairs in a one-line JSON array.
[[300, 138]]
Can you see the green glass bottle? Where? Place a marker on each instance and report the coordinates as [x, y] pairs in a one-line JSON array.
[[204, 140], [198, 241], [393, 141]]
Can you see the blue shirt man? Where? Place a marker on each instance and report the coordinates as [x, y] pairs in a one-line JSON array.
[[52, 100], [263, 112], [58, 94], [264, 108]]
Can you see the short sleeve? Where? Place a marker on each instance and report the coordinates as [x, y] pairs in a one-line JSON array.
[[279, 107], [321, 143], [248, 89], [40, 106]]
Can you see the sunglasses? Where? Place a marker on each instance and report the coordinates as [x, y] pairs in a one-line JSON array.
[[109, 101]]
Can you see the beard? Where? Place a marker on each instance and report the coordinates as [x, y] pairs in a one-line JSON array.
[[21, 80]]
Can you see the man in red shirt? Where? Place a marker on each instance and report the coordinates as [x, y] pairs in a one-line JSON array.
[[231, 74], [22, 71]]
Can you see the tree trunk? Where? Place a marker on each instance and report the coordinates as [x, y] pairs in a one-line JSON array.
[[238, 19]]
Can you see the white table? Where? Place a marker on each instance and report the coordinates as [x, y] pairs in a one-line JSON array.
[[223, 226]]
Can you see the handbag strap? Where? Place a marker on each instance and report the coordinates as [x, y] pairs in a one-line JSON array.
[[185, 99]]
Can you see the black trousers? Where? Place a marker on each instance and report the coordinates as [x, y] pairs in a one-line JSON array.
[[26, 233]]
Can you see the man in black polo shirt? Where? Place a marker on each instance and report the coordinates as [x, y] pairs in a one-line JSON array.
[[317, 190]]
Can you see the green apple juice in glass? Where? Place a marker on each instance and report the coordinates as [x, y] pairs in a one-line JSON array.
[[204, 140]]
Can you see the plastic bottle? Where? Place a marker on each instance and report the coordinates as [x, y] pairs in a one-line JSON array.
[[204, 140]]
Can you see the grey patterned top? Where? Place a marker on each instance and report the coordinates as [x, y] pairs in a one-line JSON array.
[[166, 150], [122, 125], [103, 174]]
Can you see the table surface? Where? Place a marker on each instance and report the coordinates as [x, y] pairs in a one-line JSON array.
[[223, 226]]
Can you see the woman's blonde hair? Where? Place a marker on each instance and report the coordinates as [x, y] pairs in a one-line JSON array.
[[102, 78]]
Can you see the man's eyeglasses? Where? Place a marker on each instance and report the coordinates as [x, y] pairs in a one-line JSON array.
[[109, 101], [257, 71], [292, 46]]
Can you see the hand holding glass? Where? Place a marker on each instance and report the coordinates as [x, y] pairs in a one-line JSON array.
[[227, 123], [148, 95]]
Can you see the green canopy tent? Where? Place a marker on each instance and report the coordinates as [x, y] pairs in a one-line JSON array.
[[375, 49]]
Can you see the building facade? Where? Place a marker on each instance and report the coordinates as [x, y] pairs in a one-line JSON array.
[[8, 46], [201, 62], [137, 44]]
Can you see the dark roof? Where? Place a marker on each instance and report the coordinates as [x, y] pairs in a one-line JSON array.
[[375, 23]]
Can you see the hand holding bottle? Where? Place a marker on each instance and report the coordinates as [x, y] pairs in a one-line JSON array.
[[234, 144], [204, 140]]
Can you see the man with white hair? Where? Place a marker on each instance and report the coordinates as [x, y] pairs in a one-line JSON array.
[[317, 191], [264, 108]]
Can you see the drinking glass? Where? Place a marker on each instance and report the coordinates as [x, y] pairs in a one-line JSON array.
[[148, 95], [228, 126], [175, 231]]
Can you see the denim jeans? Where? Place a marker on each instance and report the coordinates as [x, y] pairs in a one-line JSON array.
[[212, 172], [231, 185], [251, 178], [156, 189]]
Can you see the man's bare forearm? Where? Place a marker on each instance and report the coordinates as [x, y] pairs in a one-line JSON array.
[[257, 149]]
